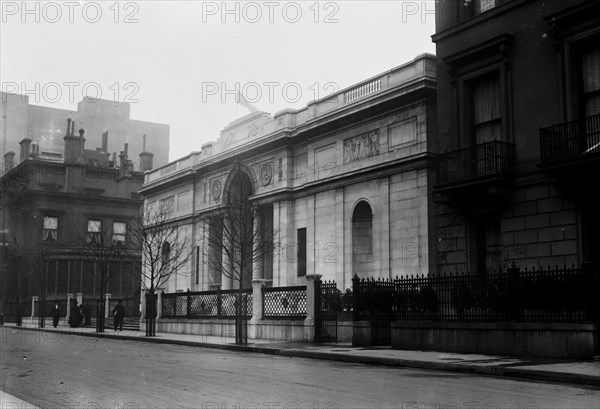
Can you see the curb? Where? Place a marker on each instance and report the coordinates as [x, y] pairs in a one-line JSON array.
[[497, 371]]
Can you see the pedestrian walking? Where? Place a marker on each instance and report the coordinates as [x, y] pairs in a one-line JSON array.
[[119, 315], [55, 315]]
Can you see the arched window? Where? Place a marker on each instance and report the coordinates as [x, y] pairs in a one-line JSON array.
[[362, 239]]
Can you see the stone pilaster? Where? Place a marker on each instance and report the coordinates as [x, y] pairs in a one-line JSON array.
[[107, 305], [309, 321], [34, 300], [69, 298]]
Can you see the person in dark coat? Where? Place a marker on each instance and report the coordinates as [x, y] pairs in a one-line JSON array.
[[75, 316], [87, 314], [119, 315], [55, 315]]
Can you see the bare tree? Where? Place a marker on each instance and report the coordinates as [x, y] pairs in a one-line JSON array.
[[240, 241], [165, 252], [106, 254], [40, 260]]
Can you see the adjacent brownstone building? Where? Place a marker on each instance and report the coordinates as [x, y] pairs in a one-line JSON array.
[[51, 201], [519, 125]]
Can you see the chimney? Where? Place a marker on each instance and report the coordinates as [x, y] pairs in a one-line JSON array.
[[74, 145], [70, 153], [35, 150], [25, 149], [145, 157], [123, 161], [105, 141], [9, 161], [81, 140]]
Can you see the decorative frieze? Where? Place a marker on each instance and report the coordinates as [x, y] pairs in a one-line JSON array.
[[361, 146]]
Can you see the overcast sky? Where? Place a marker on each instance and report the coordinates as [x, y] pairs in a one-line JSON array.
[[177, 61]]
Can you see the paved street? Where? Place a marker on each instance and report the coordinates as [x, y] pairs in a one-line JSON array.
[[65, 371]]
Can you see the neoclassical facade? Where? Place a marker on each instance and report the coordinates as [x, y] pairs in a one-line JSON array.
[[342, 186]]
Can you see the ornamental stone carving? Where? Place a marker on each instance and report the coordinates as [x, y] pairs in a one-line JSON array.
[[216, 189], [361, 146], [266, 173]]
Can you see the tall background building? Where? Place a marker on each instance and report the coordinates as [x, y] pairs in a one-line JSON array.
[[45, 127]]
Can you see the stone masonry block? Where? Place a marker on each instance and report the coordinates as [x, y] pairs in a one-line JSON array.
[[538, 250], [456, 257], [537, 221], [525, 208], [563, 248], [513, 224], [536, 192], [554, 204], [563, 218], [557, 233], [526, 236]]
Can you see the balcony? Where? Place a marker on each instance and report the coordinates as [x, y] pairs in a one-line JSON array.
[[477, 177], [574, 140], [475, 164], [570, 154]]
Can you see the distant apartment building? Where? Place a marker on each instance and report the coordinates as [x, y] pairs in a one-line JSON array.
[[519, 133], [45, 127]]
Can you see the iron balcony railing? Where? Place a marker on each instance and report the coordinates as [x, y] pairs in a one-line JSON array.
[[495, 158], [570, 139]]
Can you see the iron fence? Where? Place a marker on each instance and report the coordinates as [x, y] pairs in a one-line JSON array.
[[328, 302], [564, 295], [495, 158], [284, 302], [206, 304], [10, 310], [570, 139]]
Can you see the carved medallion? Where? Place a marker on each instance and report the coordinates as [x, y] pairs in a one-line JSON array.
[[216, 189], [252, 130], [266, 173]]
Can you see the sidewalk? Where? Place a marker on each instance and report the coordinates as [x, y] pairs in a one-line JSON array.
[[577, 372]]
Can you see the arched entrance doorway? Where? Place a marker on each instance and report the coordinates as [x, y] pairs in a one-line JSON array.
[[231, 236], [362, 239]]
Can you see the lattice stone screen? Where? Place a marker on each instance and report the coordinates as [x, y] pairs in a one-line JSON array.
[[284, 302]]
